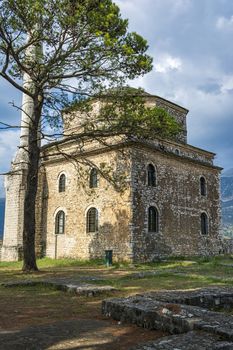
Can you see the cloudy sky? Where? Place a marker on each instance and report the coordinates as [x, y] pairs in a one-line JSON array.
[[192, 45]]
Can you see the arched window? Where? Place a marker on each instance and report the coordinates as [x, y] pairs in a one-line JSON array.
[[60, 222], [203, 186], [153, 220], [62, 183], [93, 178], [92, 220], [151, 175], [204, 224]]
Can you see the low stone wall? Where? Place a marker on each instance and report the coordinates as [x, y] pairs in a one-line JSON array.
[[187, 341], [177, 313], [214, 298], [88, 290]]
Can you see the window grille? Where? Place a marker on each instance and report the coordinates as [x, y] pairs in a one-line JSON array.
[[92, 220], [60, 223]]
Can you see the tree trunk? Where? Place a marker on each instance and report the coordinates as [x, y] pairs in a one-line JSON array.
[[29, 254]]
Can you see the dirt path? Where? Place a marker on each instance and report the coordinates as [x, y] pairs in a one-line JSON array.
[[83, 334], [42, 318]]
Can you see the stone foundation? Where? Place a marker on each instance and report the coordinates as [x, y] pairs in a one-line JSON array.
[[178, 313], [11, 253], [188, 341]]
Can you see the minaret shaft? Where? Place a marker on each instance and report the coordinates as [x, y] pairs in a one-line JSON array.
[[26, 119], [16, 179]]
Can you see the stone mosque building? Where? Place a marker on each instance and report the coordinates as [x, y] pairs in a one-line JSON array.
[[170, 205]]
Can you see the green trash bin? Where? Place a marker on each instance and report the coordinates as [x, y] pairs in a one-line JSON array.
[[108, 258]]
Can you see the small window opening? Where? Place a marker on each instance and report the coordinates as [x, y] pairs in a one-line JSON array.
[[151, 176], [62, 183], [93, 178], [152, 219], [204, 224], [203, 186], [92, 220], [60, 222]]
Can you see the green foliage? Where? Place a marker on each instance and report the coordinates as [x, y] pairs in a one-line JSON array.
[[87, 40], [124, 111]]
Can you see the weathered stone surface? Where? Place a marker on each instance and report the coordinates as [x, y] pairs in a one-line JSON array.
[[113, 212], [187, 341], [123, 217], [76, 288], [209, 298], [13, 226], [177, 312], [179, 203]]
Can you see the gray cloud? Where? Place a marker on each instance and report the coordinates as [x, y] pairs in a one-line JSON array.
[[195, 36], [210, 87]]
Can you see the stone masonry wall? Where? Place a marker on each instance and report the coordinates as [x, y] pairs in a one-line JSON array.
[[179, 203], [123, 217], [74, 120], [113, 207], [13, 227], [179, 114]]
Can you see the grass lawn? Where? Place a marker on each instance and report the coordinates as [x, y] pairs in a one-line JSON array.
[[23, 306]]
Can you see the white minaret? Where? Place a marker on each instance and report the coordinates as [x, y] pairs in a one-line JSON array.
[[15, 183]]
